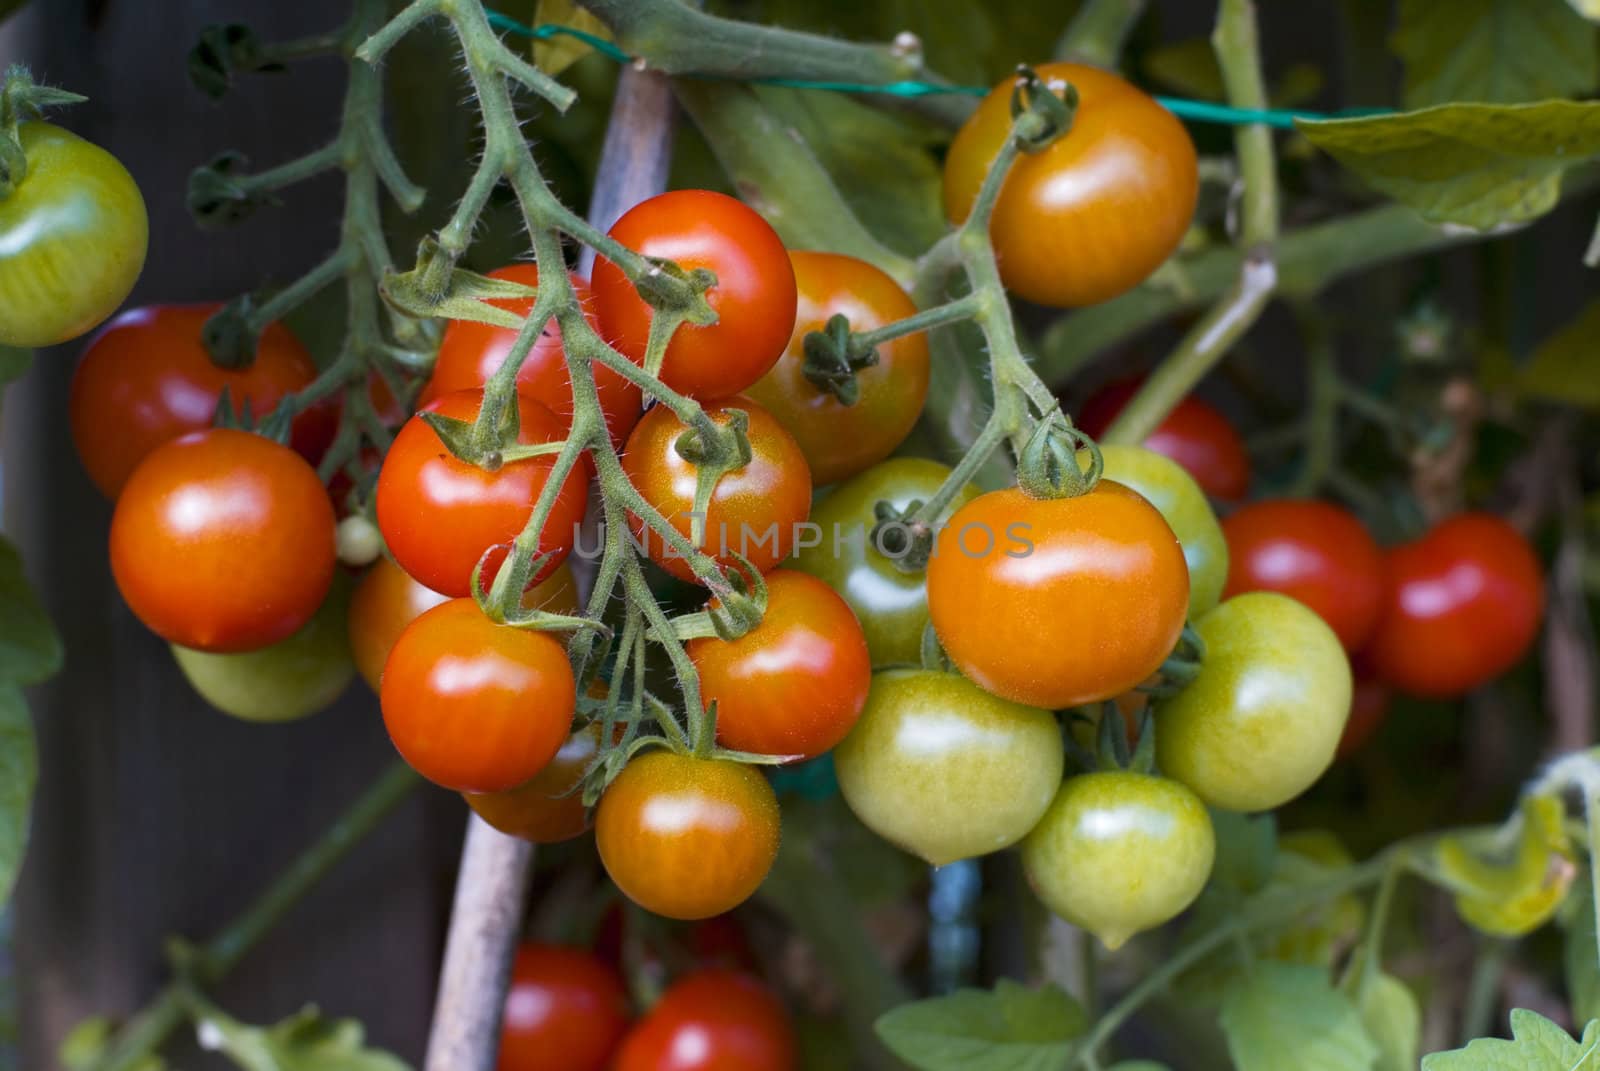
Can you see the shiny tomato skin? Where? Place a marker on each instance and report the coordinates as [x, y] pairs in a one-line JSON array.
[[469, 353], [565, 1011], [1057, 602], [770, 494], [1095, 212], [712, 1020], [1463, 605], [1195, 434], [73, 238], [687, 838], [440, 515], [841, 440], [1314, 552], [223, 541], [475, 706], [146, 379], [754, 297], [548, 809], [1183, 505], [795, 684]]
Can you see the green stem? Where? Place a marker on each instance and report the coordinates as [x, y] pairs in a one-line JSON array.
[[1098, 31], [983, 447], [1322, 419], [1483, 990], [962, 308]]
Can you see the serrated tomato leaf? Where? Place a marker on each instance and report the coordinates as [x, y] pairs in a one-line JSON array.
[[1498, 51], [1009, 1028], [1278, 1008], [1537, 1045]]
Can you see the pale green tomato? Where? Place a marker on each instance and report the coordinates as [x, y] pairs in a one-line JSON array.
[[945, 770], [1120, 852]]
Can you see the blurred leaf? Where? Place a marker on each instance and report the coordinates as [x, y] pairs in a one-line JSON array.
[[1539, 1045], [1012, 1028], [1581, 954], [1589, 9], [873, 871], [10, 7], [1479, 165], [14, 363], [86, 1044], [1247, 849], [303, 1042], [555, 54], [1276, 1009], [1393, 1021], [1499, 51], [18, 771], [30, 650], [1513, 895], [1565, 368], [1187, 67], [1138, 1065]]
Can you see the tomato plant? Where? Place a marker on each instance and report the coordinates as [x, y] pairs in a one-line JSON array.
[[1196, 435], [712, 1020], [565, 1011]]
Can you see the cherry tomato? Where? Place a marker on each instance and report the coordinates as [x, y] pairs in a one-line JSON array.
[[223, 541], [440, 515], [291, 679], [840, 440], [755, 511], [1056, 602], [1462, 606], [73, 235], [1096, 211], [687, 838], [565, 1011], [793, 685], [945, 770], [1183, 505], [1196, 435], [712, 1020], [147, 379], [549, 809], [475, 706], [1314, 552], [1261, 722], [891, 605], [469, 353], [754, 297], [1369, 705], [1120, 852]]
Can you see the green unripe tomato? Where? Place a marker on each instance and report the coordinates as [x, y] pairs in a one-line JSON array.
[[1120, 852], [1175, 493], [891, 605], [945, 770], [1263, 719]]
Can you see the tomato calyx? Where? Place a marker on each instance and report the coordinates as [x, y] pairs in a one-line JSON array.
[[1039, 115], [1181, 667], [1113, 732], [225, 51], [1059, 460], [714, 449], [437, 289], [902, 537], [220, 196], [22, 98], [833, 356]]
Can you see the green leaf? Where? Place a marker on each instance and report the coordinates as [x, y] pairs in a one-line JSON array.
[[1012, 1028], [13, 362], [1393, 1021], [30, 650], [1539, 1045], [1498, 51], [1479, 165], [1247, 851], [303, 1042], [555, 54], [1564, 369], [1278, 1009], [1510, 894], [86, 1045], [18, 770], [1138, 1065], [1581, 954]]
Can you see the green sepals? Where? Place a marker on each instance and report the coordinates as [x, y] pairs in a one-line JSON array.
[[932, 653], [666, 287], [23, 98], [908, 546], [1050, 466], [460, 438], [1008, 1028], [1537, 1045], [1511, 891], [230, 335], [222, 52], [218, 196], [1180, 668], [1111, 738], [1038, 115], [437, 288], [742, 609], [832, 359]]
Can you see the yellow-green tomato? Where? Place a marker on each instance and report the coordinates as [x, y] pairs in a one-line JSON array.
[[945, 770], [1263, 719], [291, 679], [891, 605], [1175, 493], [1120, 852]]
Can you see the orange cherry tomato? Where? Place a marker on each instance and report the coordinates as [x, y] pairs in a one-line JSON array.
[[565, 1011], [1097, 210], [223, 541], [549, 809], [1196, 435], [712, 1020]]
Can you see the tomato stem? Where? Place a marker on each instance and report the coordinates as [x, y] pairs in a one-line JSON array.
[[1097, 32]]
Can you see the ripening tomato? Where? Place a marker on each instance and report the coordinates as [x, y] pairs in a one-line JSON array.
[[1262, 721], [840, 440], [223, 541], [1119, 852], [793, 685], [1462, 606], [440, 515], [1314, 552], [469, 353], [73, 237], [549, 809], [712, 1020], [945, 770], [565, 1011], [1195, 434], [755, 511], [1057, 602], [147, 379], [475, 706], [687, 838], [754, 297], [1096, 211]]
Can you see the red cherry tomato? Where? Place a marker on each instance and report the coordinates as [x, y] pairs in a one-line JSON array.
[[475, 706], [549, 809], [755, 511], [1196, 435], [440, 515], [796, 683], [712, 1020], [223, 541], [754, 297], [470, 353], [1463, 605], [1314, 552], [565, 1011], [146, 379]]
